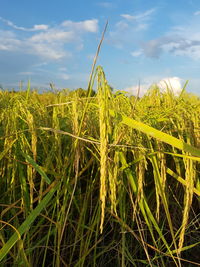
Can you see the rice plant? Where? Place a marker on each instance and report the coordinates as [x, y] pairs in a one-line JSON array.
[[99, 180]]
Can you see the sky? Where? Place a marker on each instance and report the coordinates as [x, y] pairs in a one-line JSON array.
[[146, 42]]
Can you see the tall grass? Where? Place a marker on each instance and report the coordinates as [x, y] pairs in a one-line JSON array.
[[108, 180]]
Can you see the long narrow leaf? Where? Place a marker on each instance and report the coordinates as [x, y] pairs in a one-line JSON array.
[[27, 223], [173, 141], [37, 167]]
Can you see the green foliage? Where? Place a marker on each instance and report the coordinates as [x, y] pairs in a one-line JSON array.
[[73, 165]]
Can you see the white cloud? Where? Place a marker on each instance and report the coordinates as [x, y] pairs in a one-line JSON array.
[[141, 16], [3, 47], [90, 25], [86, 25], [173, 84], [137, 53], [34, 28], [53, 35], [178, 43], [51, 52], [51, 42], [127, 16], [181, 40], [9, 41], [130, 28], [40, 27]]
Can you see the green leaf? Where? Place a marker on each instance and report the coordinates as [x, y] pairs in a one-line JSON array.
[[27, 223], [37, 167], [173, 141]]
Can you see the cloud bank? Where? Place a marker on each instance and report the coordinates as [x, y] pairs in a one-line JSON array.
[[181, 40], [50, 43], [38, 52], [173, 84]]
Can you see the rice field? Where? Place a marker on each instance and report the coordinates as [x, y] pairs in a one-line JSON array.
[[99, 179]]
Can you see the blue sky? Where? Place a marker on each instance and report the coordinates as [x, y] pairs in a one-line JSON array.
[[55, 42]]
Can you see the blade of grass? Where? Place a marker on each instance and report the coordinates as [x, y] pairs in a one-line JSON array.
[[37, 168], [173, 141], [27, 223]]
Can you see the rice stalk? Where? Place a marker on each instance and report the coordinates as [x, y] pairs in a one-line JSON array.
[[188, 196], [103, 125]]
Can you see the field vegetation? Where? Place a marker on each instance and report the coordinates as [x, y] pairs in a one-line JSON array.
[[99, 179]]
